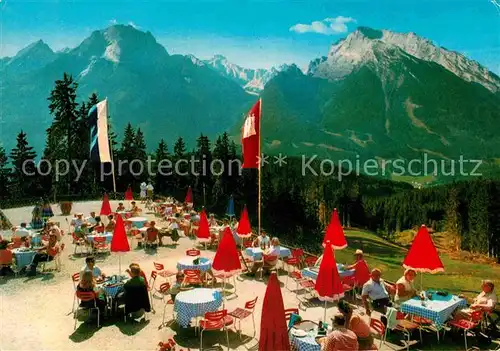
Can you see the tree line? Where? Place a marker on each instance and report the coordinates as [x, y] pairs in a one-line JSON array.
[[295, 206]]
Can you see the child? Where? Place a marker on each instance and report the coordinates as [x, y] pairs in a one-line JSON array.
[[176, 288]]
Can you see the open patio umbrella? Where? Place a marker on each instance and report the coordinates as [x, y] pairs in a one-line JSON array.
[[226, 262], [189, 196], [244, 229], [273, 327], [335, 233], [105, 207], [119, 242], [423, 256], [203, 228], [230, 207], [328, 284]]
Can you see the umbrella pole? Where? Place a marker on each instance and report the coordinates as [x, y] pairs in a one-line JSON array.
[[120, 264], [324, 315], [421, 280]]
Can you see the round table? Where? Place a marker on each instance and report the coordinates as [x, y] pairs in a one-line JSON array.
[[23, 257], [138, 222], [187, 263], [195, 303], [256, 252], [108, 236], [308, 342]]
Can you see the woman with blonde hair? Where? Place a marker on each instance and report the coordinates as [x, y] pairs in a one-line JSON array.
[[88, 284]]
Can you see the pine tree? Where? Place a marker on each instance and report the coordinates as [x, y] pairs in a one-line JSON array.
[[4, 174], [180, 148], [452, 218], [180, 182], [93, 100], [478, 218], [127, 153], [162, 179], [64, 108], [203, 176], [24, 173]]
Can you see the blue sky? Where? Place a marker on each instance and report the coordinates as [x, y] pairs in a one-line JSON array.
[[256, 33]]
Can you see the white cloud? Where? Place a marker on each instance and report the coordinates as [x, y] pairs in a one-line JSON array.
[[328, 26], [134, 25]]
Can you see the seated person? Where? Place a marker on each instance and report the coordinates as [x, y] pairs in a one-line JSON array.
[[91, 267], [152, 233], [404, 287], [143, 274], [92, 220], [53, 228], [274, 251], [358, 325], [340, 339], [361, 270], [136, 211], [212, 222], [87, 284], [78, 222], [22, 231], [6, 259], [195, 217], [135, 295], [173, 224], [375, 290], [120, 207], [46, 253], [234, 223], [110, 227], [176, 287], [262, 240], [486, 300]]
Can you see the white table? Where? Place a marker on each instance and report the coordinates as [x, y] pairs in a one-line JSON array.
[[187, 263], [138, 222], [23, 257], [256, 252], [313, 272], [107, 235]]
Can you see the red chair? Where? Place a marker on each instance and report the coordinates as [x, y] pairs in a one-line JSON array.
[[379, 329], [165, 290], [289, 312], [349, 284], [218, 320], [162, 272], [192, 277], [310, 261], [467, 324], [89, 296], [193, 252], [100, 245], [79, 243], [99, 229], [242, 313]]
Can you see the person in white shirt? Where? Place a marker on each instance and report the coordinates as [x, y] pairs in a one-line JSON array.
[[273, 251], [375, 290], [21, 231], [262, 239], [92, 219], [487, 299], [212, 222], [91, 267], [173, 225], [404, 287], [143, 191]]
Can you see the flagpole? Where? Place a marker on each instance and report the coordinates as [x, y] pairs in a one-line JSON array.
[[259, 167], [112, 162]]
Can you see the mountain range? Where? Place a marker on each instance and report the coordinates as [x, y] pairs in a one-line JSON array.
[[377, 94]]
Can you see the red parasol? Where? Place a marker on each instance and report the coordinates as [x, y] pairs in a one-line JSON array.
[[189, 196], [227, 260], [105, 207], [335, 233], [423, 256], [328, 284], [203, 229], [119, 242], [244, 227], [129, 195], [273, 328]]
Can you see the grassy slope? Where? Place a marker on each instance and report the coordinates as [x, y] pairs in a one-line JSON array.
[[459, 277]]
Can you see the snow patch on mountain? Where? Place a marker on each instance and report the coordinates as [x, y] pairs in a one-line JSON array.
[[362, 46]]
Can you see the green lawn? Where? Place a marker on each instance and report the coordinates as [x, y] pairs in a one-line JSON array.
[[459, 277]]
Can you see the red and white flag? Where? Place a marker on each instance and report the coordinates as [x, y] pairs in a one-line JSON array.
[[250, 137]]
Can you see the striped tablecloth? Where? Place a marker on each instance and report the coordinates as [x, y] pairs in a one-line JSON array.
[[256, 252], [108, 236], [439, 309], [195, 303], [23, 258], [313, 273], [187, 263]]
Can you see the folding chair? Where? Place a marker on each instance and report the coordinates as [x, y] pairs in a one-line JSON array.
[[218, 320], [86, 297], [243, 313]]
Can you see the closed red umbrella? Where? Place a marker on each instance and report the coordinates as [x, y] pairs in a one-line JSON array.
[[227, 259], [423, 256], [105, 207], [203, 229], [244, 227], [328, 284], [119, 242], [335, 233], [273, 326], [129, 196], [189, 196]]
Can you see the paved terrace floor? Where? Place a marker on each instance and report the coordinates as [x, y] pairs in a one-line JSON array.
[[35, 312]]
